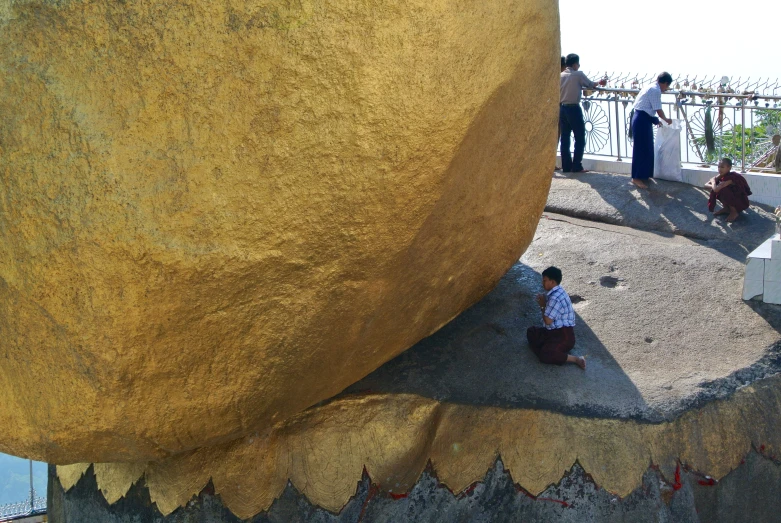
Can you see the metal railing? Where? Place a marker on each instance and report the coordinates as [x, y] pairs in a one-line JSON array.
[[12, 511], [30, 507], [739, 119]]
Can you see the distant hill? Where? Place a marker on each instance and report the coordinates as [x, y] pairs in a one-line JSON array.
[[15, 479]]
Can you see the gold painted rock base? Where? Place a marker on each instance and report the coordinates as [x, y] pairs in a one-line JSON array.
[[749, 493], [324, 450]]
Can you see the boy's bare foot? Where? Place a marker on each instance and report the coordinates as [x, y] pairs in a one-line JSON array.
[[723, 210], [577, 360], [732, 216], [639, 183]]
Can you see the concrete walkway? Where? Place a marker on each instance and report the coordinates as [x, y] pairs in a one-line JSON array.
[[657, 285], [665, 208]]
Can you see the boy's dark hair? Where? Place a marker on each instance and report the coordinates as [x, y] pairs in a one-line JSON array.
[[572, 59], [727, 161], [553, 273], [664, 78], [563, 62]]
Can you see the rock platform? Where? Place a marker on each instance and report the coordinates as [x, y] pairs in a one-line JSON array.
[[676, 417]]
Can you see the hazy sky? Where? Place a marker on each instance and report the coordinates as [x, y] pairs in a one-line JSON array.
[[686, 36]]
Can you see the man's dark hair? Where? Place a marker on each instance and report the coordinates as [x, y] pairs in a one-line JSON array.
[[664, 78], [572, 59], [727, 161], [553, 273], [563, 62]]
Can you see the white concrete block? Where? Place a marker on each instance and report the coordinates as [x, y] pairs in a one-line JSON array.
[[752, 288], [773, 269], [755, 269], [775, 250], [772, 292], [766, 188], [697, 177]]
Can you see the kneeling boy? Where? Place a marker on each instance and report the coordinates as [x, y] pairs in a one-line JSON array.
[[552, 343]]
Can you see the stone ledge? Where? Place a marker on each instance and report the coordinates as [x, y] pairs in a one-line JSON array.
[[325, 451], [748, 493], [766, 187]]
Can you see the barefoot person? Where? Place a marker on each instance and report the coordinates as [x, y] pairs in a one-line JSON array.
[[552, 343], [647, 106], [731, 189]]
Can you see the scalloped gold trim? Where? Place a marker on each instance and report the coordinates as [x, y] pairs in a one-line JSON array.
[[69, 475], [323, 451], [115, 479]]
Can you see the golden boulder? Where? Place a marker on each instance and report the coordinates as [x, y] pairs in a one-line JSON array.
[[215, 215]]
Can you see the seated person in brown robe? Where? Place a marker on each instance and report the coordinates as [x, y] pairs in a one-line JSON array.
[[553, 342], [731, 189]]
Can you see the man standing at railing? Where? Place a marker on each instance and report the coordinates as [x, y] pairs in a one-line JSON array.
[[571, 121], [648, 104]]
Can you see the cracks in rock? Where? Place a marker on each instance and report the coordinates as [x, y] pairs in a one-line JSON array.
[[608, 220]]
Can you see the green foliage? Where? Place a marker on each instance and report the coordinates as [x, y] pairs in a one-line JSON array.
[[729, 144], [768, 118]]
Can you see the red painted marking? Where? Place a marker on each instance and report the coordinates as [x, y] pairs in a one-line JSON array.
[[398, 496], [560, 502], [523, 490], [707, 482], [762, 448], [677, 485], [373, 491], [471, 488]]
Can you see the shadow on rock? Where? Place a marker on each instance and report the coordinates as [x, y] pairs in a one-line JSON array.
[[483, 358], [666, 208]]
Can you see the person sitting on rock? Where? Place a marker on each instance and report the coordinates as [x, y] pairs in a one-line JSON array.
[[731, 189], [552, 343]]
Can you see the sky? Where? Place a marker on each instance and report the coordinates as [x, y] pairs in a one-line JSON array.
[[679, 37], [15, 479]]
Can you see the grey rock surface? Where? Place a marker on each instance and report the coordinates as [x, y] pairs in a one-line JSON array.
[[660, 321], [666, 208], [748, 494]]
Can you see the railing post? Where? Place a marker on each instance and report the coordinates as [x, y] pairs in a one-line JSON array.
[[743, 136], [618, 133], [32, 490]]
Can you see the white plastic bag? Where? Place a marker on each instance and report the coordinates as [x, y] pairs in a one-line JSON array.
[[667, 152]]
